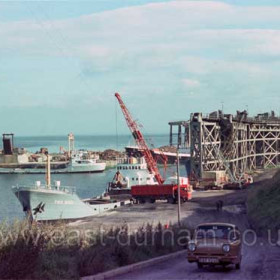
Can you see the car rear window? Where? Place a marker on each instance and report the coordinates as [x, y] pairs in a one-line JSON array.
[[215, 231]]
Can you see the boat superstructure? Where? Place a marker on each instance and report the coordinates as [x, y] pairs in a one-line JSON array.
[[131, 171]]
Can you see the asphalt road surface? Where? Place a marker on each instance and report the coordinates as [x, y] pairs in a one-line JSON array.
[[259, 262]]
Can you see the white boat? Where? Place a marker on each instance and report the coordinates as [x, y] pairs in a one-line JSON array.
[[131, 171], [134, 171], [80, 162]]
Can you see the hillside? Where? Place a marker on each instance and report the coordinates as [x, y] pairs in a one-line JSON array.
[[264, 205]]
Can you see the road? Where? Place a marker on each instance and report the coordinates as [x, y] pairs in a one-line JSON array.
[[259, 262]]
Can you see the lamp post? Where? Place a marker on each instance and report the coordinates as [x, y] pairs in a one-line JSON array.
[[178, 189]]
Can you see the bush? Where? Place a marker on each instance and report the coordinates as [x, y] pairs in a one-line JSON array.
[[20, 250], [56, 251]]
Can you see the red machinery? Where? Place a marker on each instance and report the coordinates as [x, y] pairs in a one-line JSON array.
[[151, 163]]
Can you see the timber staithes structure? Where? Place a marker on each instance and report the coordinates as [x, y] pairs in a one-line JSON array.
[[237, 144]]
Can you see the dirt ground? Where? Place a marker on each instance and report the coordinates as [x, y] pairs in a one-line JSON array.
[[200, 209]]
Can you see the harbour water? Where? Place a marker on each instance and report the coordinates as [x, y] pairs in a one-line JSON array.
[[87, 185]]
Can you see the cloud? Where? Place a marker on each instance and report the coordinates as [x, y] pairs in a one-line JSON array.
[[202, 66], [153, 36], [188, 25], [152, 51], [190, 83]]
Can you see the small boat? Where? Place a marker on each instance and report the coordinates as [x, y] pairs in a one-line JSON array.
[[53, 202], [80, 162]]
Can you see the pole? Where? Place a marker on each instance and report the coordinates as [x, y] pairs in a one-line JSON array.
[[48, 172], [69, 146], [179, 189]]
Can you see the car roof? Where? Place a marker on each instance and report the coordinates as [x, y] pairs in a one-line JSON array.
[[217, 224]]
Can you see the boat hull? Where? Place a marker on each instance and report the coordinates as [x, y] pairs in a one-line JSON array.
[[86, 168], [100, 167], [57, 204]]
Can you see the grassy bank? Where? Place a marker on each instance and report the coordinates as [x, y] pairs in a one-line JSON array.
[[263, 205], [55, 252]]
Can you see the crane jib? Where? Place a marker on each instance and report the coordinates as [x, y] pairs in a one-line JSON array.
[[136, 133]]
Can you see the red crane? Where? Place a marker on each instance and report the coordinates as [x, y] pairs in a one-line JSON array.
[[136, 133]]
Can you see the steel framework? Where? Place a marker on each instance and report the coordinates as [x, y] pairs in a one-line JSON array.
[[182, 137], [236, 144]]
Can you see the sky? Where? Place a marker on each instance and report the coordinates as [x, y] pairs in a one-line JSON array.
[[62, 61]]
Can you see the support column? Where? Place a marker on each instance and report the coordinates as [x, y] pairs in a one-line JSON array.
[[179, 136], [170, 136]]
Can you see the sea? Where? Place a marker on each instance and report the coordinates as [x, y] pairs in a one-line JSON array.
[[87, 185], [90, 142]]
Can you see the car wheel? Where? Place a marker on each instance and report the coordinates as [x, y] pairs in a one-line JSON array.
[[199, 265], [237, 266]]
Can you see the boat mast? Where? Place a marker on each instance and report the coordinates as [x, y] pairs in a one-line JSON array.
[[48, 172]]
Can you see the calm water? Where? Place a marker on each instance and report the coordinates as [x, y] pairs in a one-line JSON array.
[[98, 143], [87, 185]]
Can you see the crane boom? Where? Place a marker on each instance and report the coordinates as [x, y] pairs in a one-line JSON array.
[[137, 135]]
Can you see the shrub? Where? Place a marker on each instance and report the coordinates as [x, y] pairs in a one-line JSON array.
[[57, 251]]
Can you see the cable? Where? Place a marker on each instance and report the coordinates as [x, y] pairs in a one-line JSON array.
[[116, 122]]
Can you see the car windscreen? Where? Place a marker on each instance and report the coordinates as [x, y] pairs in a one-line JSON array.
[[215, 231]]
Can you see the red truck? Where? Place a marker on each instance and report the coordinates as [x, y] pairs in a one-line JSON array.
[[168, 191]]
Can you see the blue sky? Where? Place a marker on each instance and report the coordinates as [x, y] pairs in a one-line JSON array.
[[62, 61]]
